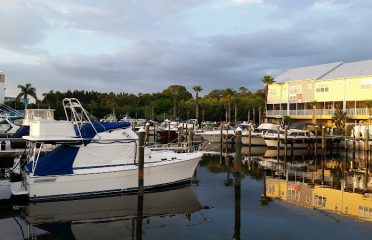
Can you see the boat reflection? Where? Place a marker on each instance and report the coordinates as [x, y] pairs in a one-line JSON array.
[[116, 217]]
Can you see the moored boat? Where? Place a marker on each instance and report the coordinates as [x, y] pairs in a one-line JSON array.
[[296, 138], [93, 159], [256, 138]]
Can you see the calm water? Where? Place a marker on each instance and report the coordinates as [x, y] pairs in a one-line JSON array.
[[298, 197]]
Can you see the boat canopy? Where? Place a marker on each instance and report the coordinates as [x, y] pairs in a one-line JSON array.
[[22, 131], [88, 132], [57, 162]]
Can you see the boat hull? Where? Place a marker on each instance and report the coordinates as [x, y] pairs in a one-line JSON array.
[[113, 180], [298, 143], [255, 140], [216, 137]]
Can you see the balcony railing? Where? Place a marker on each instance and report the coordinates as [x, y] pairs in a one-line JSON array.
[[319, 112]]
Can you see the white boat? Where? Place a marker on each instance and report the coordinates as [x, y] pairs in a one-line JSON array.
[[214, 136], [295, 138], [257, 133], [93, 159]]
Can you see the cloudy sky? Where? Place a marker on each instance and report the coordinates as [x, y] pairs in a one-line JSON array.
[[146, 45]]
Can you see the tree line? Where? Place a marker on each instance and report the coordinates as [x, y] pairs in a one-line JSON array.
[[173, 102]]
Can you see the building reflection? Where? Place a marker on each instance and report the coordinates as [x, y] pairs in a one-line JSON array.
[[341, 184]]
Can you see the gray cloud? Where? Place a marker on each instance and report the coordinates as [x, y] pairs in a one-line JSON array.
[[163, 50], [23, 25]]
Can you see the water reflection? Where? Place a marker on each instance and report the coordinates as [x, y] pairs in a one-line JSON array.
[[332, 180], [338, 182], [117, 217]]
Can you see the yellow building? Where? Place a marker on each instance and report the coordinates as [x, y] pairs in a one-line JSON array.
[[347, 85]]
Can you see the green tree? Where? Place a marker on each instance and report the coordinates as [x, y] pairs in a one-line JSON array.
[[266, 80], [197, 90], [26, 90], [369, 106], [339, 117], [228, 93], [313, 106], [177, 93]]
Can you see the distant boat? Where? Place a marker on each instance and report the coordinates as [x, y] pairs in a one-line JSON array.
[[94, 158], [257, 134], [214, 135]]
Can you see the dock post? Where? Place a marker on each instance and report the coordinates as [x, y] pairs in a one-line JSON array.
[[285, 141], [323, 139], [278, 139], [354, 141], [316, 141], [168, 132], [141, 160], [221, 133], [238, 151], [250, 142], [147, 130], [155, 135], [179, 140], [237, 182], [366, 139], [346, 128], [189, 138], [140, 196]]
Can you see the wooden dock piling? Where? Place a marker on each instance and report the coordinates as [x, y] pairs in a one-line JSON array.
[[250, 141], [168, 132], [179, 138], [238, 151], [147, 131], [278, 140], [141, 160], [323, 139], [285, 140], [190, 137], [366, 140]]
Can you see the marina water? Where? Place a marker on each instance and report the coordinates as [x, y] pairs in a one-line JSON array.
[[298, 195]]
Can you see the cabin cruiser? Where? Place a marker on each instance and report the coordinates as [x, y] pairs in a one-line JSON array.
[[94, 158], [214, 136], [257, 133], [296, 138], [168, 131]]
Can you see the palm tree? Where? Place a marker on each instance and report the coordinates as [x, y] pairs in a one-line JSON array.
[[26, 91], [368, 104], [197, 90], [339, 117], [267, 80], [313, 106], [229, 93]]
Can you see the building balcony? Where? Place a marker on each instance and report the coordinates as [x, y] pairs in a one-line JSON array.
[[353, 113]]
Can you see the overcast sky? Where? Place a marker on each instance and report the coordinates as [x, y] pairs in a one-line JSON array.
[[146, 45]]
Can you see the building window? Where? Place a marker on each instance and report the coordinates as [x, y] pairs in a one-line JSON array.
[[271, 189], [366, 84], [365, 212], [294, 90], [319, 201], [309, 86], [322, 87], [293, 195], [272, 91]]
